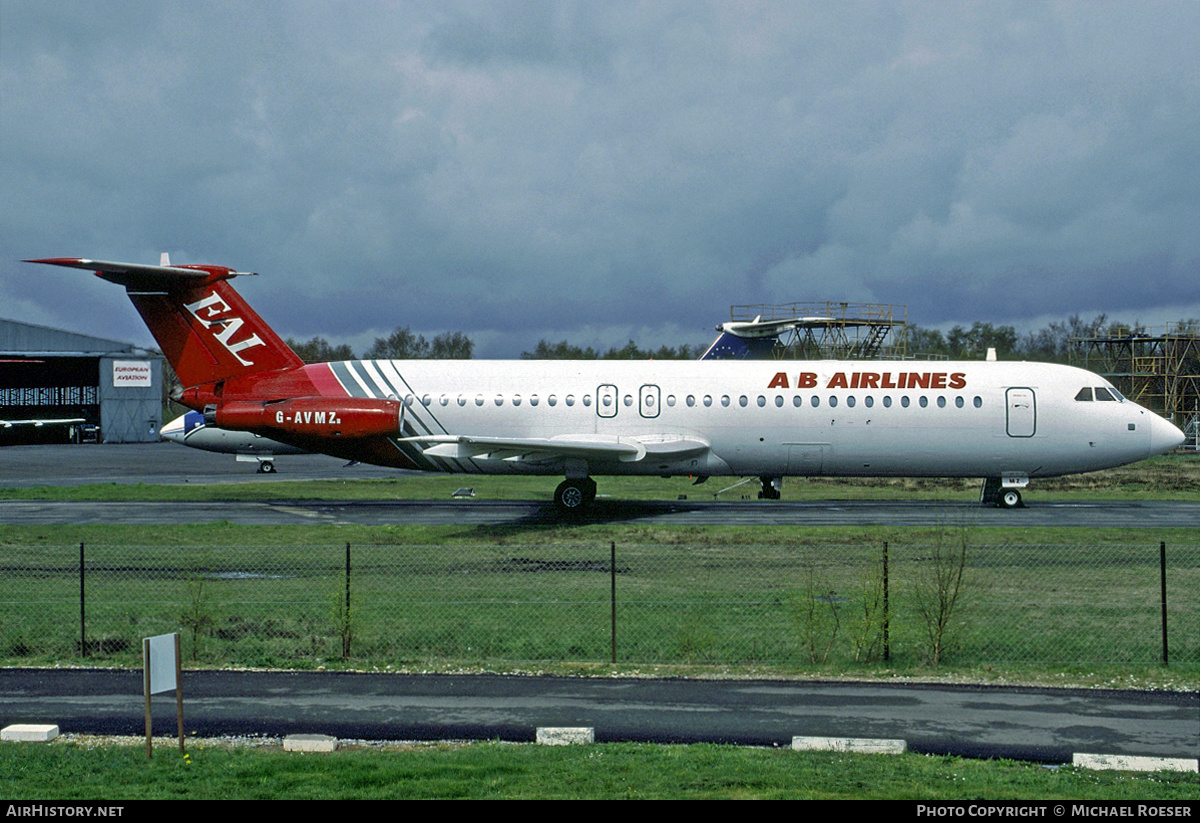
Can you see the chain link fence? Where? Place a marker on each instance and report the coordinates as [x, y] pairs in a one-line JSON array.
[[791, 607]]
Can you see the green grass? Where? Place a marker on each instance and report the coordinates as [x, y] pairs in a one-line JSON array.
[[691, 600], [70, 771]]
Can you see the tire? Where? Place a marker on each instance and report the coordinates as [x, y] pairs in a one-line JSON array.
[[575, 496], [1009, 499]]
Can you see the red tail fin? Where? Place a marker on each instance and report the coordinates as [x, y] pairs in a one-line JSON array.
[[204, 327]]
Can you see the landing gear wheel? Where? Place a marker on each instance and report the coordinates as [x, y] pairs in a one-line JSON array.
[[266, 467], [769, 490], [1009, 499], [574, 496]]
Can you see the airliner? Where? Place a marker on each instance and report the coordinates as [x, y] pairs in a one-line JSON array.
[[1005, 422], [190, 430], [741, 340]]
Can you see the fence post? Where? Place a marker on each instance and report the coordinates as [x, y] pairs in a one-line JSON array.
[[82, 608], [887, 616], [1162, 578], [612, 576], [346, 620]]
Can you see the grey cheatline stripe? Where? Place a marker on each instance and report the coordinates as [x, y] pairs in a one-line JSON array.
[[387, 379], [359, 384], [373, 389], [383, 376], [344, 376]]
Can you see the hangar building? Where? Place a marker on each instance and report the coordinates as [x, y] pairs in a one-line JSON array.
[[58, 387]]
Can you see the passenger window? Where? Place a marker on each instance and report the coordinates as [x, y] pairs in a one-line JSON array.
[[958, 402], [869, 400], [499, 400], [724, 400], [941, 402], [978, 402], [850, 401], [552, 400], [1084, 394], [691, 401], [833, 401], [479, 400], [516, 399], [779, 401], [570, 400], [924, 401], [797, 401], [904, 401], [708, 399], [533, 399], [816, 401], [887, 401], [742, 401]]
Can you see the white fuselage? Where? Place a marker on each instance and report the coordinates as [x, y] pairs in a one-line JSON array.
[[776, 418]]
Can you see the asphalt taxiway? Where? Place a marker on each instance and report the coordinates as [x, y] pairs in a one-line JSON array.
[[168, 463]]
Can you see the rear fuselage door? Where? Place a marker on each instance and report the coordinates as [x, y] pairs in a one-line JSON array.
[[1021, 412]]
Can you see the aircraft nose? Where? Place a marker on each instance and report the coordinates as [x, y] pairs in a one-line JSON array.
[[1164, 435]]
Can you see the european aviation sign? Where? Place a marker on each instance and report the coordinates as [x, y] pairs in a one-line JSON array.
[[131, 373]]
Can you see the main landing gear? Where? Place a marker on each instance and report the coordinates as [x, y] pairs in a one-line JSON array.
[[575, 495]]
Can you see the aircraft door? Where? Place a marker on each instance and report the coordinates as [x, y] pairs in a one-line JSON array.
[[1021, 412], [648, 401], [606, 400]]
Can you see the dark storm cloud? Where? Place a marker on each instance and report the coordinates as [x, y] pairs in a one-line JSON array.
[[605, 170]]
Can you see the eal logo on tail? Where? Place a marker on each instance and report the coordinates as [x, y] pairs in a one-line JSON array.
[[213, 311]]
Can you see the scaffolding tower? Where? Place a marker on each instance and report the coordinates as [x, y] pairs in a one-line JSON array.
[[1158, 370], [834, 331]]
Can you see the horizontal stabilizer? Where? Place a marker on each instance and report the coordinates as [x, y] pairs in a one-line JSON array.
[[139, 277]]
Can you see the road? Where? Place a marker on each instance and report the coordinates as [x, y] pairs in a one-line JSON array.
[[1044, 725]]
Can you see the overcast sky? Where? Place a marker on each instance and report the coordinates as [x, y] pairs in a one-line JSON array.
[[596, 171]]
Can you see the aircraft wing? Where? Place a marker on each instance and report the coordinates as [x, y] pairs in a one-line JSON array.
[[582, 447], [61, 421]]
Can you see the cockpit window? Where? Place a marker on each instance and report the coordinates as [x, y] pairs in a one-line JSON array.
[[1084, 394], [1103, 394]]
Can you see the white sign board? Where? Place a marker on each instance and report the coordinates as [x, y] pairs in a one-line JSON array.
[[161, 663], [131, 373]]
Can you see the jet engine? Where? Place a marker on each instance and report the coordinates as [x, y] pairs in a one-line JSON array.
[[310, 416]]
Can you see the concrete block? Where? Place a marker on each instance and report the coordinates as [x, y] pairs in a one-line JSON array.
[[565, 735], [309, 743], [29, 733], [859, 745], [1133, 763]]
